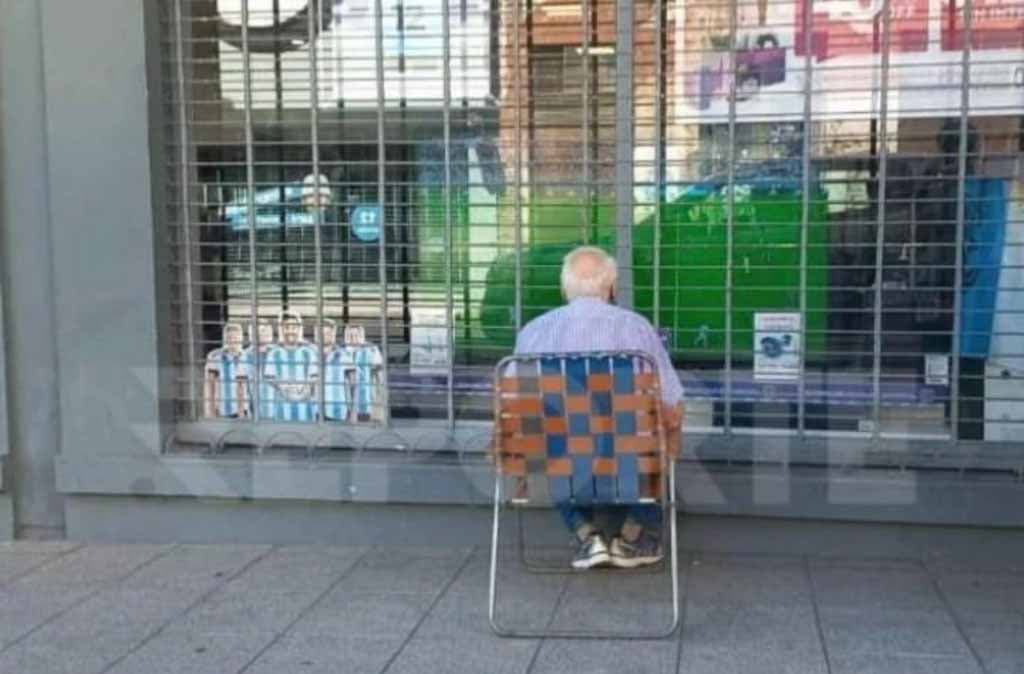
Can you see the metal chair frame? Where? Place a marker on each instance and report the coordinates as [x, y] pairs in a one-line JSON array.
[[666, 496]]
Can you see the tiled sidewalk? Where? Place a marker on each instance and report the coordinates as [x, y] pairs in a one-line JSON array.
[[758, 597]]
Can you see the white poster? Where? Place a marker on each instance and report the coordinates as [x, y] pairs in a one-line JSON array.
[[777, 348], [925, 46], [413, 48], [428, 342]]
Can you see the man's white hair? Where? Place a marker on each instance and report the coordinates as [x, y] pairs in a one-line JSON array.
[[588, 271]]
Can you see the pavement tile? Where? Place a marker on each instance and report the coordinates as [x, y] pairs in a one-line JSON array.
[[23, 610], [579, 612], [120, 609], [68, 655], [14, 564], [244, 613], [461, 613], [464, 655], [870, 588], [337, 653], [783, 628], [366, 613], [1004, 665], [91, 565], [37, 547], [997, 637], [983, 591], [405, 569], [196, 566], [747, 583], [607, 657], [193, 653], [896, 664], [891, 632], [748, 661], [296, 568]]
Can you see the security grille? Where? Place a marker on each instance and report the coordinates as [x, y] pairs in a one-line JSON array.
[[817, 202]]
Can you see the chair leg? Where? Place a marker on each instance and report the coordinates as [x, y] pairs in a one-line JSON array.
[[492, 593]]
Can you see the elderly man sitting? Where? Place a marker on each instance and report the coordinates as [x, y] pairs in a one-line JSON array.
[[590, 322]]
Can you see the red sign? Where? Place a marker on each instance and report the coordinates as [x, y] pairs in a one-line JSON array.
[[995, 24], [854, 27]]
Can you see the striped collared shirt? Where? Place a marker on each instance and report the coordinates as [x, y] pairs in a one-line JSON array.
[[590, 324]]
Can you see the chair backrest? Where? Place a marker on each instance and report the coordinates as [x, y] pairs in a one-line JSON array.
[[591, 422]]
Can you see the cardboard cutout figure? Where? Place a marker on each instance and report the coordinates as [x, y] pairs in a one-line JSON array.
[[338, 369], [292, 369], [260, 341], [226, 372], [367, 361]]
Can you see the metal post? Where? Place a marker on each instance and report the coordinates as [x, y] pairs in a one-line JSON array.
[[624, 149], [730, 216], [518, 195], [449, 239], [314, 136], [585, 173], [961, 224], [186, 203], [883, 156], [250, 186], [382, 265], [805, 210], [659, 153]]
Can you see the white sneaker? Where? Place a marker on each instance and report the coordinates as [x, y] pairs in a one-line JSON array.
[[592, 552], [645, 551]]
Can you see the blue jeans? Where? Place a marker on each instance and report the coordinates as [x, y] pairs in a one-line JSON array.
[[645, 514]]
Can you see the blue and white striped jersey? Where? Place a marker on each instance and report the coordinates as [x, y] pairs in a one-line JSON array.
[[253, 360], [292, 373], [338, 362], [229, 368], [367, 358]]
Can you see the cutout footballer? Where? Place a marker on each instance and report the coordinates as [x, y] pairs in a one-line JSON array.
[[367, 361], [225, 393], [291, 369]]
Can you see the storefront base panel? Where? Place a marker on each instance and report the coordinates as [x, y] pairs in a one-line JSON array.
[[120, 519], [415, 512], [6, 517]]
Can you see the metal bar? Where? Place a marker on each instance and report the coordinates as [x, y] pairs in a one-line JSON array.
[[961, 216], [186, 203], [883, 157], [659, 153], [730, 216], [449, 239], [585, 223], [805, 208], [624, 149], [250, 186], [382, 265], [314, 137], [518, 195]]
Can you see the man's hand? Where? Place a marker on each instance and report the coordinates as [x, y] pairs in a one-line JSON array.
[[672, 423]]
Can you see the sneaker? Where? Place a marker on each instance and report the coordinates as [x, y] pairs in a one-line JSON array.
[[592, 552], [643, 551]]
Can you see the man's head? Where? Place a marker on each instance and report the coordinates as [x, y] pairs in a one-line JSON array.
[[232, 337], [328, 332], [588, 271], [265, 332], [291, 328], [354, 335]]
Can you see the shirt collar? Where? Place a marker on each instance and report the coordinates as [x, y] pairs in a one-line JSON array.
[[587, 300]]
